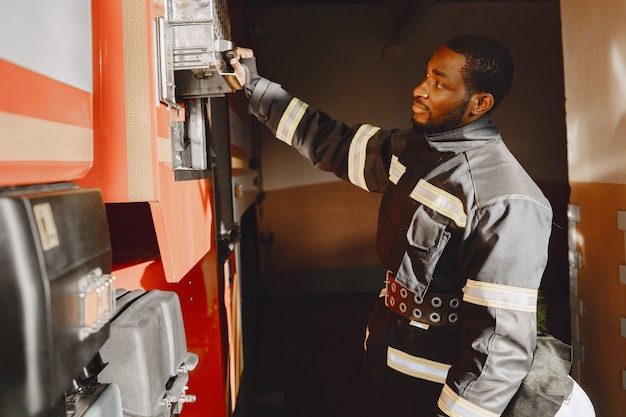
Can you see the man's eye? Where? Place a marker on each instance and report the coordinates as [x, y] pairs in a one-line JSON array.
[[439, 85]]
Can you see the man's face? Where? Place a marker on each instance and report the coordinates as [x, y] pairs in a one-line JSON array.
[[441, 100]]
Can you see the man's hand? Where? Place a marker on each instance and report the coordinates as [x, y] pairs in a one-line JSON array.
[[240, 70], [244, 65]]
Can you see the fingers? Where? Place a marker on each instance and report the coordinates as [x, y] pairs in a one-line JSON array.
[[240, 71], [244, 52], [241, 52]]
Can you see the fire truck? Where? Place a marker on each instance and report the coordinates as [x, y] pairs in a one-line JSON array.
[[129, 187]]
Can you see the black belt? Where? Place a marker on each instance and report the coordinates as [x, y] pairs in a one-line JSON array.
[[434, 309]]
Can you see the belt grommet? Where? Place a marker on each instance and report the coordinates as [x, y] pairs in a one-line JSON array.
[[393, 287], [418, 299], [455, 303], [403, 292], [453, 317], [417, 313], [392, 301], [402, 307], [436, 302], [435, 317]]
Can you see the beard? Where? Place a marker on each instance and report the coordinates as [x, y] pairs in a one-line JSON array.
[[450, 121]]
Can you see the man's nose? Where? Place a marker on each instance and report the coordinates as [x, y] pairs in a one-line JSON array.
[[420, 92]]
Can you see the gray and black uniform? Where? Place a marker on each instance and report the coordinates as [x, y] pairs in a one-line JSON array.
[[463, 231]]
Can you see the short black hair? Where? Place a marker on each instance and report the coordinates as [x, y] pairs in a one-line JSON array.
[[489, 65]]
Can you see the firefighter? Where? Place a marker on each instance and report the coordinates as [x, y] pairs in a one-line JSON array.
[[463, 232]]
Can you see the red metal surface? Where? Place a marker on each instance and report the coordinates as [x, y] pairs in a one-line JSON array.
[[181, 211], [110, 160]]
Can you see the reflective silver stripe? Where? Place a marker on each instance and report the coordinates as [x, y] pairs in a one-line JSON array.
[[396, 170], [419, 324], [501, 296], [357, 154], [417, 367], [290, 120], [441, 201], [455, 406]]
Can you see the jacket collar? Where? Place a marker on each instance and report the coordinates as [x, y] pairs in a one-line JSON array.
[[472, 135]]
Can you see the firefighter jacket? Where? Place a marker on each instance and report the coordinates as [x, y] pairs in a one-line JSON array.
[[458, 215]]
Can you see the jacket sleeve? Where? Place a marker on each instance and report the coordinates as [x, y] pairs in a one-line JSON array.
[[504, 259], [360, 154]]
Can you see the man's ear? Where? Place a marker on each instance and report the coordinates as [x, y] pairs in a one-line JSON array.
[[483, 102]]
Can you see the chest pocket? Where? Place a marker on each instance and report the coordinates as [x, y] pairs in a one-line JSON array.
[[426, 240], [427, 235]]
